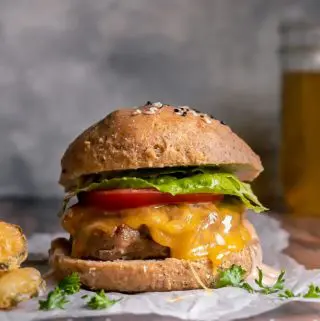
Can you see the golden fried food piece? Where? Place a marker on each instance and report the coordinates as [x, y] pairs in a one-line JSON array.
[[19, 285], [13, 246]]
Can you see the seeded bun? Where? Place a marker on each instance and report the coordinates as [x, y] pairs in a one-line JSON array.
[[156, 136], [146, 275]]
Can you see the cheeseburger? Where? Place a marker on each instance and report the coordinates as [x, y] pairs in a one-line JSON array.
[[161, 199]]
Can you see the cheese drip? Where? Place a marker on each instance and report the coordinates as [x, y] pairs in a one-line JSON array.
[[191, 231]]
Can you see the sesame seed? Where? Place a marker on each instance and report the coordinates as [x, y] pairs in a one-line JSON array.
[[176, 110], [194, 113], [149, 112], [157, 104], [222, 122], [148, 103], [137, 112], [154, 109], [202, 115], [184, 114], [207, 120], [184, 107]]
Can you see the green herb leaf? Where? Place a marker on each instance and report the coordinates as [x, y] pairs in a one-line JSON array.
[[287, 294], [259, 280], [248, 287], [278, 286], [70, 284], [56, 300], [313, 292], [280, 281], [232, 276], [100, 301]]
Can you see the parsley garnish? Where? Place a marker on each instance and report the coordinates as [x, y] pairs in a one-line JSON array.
[[287, 294], [278, 286], [70, 284], [100, 301], [57, 298], [234, 276], [231, 277], [313, 292], [248, 287]]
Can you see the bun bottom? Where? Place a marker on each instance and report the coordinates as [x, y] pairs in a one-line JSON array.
[[146, 275]]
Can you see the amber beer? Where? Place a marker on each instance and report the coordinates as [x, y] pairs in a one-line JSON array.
[[300, 150]]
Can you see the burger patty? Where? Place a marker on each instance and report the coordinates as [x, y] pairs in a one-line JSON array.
[[123, 243], [180, 231]]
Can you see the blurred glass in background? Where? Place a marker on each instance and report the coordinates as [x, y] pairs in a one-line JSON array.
[[300, 149]]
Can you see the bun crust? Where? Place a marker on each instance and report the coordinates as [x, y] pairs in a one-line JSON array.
[[126, 139], [146, 275]]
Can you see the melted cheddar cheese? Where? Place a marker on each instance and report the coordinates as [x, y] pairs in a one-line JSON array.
[[191, 231]]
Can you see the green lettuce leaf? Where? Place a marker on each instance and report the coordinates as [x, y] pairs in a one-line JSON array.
[[202, 181]]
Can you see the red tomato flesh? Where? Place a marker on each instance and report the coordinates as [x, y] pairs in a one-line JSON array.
[[119, 199]]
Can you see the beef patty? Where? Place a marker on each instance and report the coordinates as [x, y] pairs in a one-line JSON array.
[[123, 243]]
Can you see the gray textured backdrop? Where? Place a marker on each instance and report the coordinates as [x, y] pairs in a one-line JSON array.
[[65, 64]]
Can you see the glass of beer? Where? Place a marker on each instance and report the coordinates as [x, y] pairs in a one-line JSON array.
[[300, 146]]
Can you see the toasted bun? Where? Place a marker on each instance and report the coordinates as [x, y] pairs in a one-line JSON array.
[[155, 138], [147, 275]]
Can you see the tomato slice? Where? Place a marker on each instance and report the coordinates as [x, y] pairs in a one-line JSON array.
[[119, 199]]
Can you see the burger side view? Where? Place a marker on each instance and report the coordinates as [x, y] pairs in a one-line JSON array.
[[161, 201]]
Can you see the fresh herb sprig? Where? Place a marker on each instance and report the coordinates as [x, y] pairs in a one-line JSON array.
[[70, 284], [234, 276], [287, 294], [275, 288], [313, 292], [57, 298], [100, 301]]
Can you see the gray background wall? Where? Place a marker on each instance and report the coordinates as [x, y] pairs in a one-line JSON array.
[[65, 64]]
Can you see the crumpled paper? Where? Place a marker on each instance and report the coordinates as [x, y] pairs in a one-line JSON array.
[[221, 304]]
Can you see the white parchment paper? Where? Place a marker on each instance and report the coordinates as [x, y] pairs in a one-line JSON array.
[[222, 304]]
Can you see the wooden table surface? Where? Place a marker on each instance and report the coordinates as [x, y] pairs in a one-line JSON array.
[[36, 216]]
